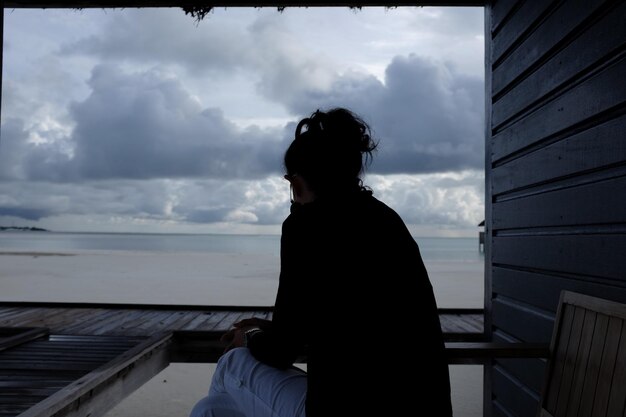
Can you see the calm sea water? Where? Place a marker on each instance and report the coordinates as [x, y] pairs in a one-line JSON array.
[[435, 249]]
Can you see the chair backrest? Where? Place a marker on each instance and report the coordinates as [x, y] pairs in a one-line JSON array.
[[586, 372]]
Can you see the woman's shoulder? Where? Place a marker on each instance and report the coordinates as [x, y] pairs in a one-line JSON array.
[[364, 208], [382, 207]]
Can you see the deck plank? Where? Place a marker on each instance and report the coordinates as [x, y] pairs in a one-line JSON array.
[[129, 321]]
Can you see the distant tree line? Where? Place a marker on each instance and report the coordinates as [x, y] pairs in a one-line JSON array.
[[25, 229]]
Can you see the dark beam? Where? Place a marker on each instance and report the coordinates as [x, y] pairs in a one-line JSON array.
[[133, 306], [85, 4], [2, 6], [21, 335], [206, 347]]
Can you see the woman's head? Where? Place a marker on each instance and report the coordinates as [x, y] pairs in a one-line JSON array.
[[330, 151]]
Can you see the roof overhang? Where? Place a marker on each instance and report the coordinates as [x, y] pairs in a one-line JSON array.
[[84, 4]]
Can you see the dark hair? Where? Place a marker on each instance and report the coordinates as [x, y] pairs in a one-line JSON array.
[[332, 152]]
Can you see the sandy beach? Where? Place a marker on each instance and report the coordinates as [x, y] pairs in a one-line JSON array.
[[202, 279]]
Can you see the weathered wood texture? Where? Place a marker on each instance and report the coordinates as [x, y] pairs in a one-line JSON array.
[[126, 320], [99, 353], [556, 178], [52, 374], [585, 371], [586, 374], [147, 320]]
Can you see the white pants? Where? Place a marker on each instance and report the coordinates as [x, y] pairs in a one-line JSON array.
[[244, 387]]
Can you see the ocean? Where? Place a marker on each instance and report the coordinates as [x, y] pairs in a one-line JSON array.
[[432, 249]]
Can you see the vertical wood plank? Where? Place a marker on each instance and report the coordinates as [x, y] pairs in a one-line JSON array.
[[580, 369], [570, 362], [556, 370], [617, 396], [607, 367], [593, 366]]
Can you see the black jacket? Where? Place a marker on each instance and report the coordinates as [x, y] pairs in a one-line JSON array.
[[354, 295]]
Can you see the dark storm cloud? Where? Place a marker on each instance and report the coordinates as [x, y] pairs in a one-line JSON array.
[[428, 117], [145, 125]]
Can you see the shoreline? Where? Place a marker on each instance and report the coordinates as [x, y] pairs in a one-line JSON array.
[[197, 278]]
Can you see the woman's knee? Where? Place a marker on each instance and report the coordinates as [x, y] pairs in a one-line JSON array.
[[235, 356], [234, 361]]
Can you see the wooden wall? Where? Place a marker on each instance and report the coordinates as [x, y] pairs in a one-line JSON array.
[[556, 173]]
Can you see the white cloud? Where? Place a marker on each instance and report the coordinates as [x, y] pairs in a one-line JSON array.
[[453, 199]]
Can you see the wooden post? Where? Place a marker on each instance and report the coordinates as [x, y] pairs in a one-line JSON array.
[[1, 50]]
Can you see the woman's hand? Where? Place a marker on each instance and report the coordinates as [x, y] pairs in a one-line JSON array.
[[235, 337]]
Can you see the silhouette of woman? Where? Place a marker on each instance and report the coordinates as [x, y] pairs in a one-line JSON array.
[[354, 297]]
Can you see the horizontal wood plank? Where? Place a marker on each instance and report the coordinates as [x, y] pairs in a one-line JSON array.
[[502, 11], [511, 394], [600, 93], [529, 371], [554, 28], [520, 24], [574, 61], [586, 205], [524, 322], [603, 254], [587, 151], [543, 290]]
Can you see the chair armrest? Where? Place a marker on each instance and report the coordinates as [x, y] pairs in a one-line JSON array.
[[483, 352]]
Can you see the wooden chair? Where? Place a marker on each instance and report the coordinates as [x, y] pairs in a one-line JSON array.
[[586, 370], [586, 367]]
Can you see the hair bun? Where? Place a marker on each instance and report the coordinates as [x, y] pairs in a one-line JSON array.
[[328, 148]]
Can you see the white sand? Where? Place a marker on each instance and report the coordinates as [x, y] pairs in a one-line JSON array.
[[208, 279]]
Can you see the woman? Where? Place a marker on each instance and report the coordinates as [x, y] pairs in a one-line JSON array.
[[354, 297]]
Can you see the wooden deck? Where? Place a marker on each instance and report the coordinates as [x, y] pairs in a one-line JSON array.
[[74, 359], [147, 320]]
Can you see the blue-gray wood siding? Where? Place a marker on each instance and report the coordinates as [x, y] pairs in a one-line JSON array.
[[556, 174]]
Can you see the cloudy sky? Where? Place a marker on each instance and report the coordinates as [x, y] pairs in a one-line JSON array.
[[145, 120]]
